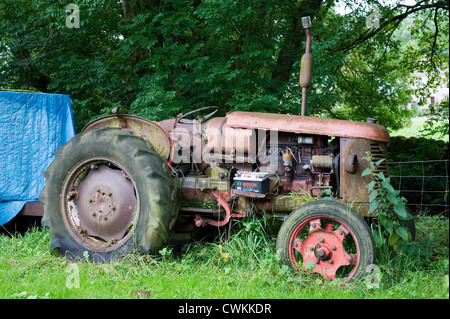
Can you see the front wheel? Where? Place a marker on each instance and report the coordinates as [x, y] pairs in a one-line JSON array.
[[328, 238]]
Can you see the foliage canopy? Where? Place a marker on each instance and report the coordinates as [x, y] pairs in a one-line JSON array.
[[160, 58]]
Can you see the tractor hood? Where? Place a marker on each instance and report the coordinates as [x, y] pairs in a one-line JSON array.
[[308, 125]]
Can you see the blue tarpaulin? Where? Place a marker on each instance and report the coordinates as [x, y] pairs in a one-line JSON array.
[[32, 127]]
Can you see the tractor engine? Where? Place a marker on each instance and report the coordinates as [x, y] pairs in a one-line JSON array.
[[246, 161], [225, 170]]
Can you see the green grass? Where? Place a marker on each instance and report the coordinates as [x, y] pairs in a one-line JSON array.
[[30, 269], [413, 129]]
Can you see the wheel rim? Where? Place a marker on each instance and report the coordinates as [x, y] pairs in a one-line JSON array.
[[100, 204], [325, 245]]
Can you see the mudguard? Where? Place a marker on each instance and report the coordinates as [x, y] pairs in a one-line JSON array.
[[151, 131]]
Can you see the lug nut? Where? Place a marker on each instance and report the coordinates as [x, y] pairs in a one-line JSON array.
[[72, 195], [333, 247]]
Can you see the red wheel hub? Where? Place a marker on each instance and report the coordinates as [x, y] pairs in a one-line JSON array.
[[322, 249]]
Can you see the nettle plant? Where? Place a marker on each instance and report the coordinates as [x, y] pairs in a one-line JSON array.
[[389, 206]]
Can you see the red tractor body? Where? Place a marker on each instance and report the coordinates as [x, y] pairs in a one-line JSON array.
[[300, 154]]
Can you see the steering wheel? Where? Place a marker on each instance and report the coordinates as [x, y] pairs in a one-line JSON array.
[[184, 120]]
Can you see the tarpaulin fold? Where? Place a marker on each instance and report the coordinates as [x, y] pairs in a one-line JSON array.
[[32, 127]]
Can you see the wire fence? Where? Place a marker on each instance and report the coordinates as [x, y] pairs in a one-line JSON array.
[[424, 184]]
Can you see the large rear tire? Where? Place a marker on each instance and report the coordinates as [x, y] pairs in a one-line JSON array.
[[108, 193]]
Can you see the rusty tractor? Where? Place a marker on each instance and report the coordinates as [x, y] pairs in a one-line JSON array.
[[126, 183]]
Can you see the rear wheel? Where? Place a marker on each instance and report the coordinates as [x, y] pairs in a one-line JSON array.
[[107, 193], [328, 238]]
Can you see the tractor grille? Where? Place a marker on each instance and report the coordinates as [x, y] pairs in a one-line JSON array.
[[378, 152]]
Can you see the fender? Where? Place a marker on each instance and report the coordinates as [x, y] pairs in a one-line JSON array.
[[151, 131], [307, 125]]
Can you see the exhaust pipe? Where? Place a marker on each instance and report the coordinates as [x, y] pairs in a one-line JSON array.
[[306, 64]]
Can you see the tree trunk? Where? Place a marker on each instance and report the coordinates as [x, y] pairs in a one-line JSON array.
[[291, 48]]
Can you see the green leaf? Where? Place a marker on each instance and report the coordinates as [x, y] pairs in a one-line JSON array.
[[380, 175], [373, 206], [370, 185], [366, 172], [401, 211], [402, 231], [379, 239], [392, 197], [393, 238], [373, 195], [379, 161], [387, 184], [387, 224]]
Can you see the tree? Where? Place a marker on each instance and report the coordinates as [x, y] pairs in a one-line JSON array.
[[374, 74], [160, 58], [438, 121]]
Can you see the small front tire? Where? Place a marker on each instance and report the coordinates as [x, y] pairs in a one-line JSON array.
[[328, 238]]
